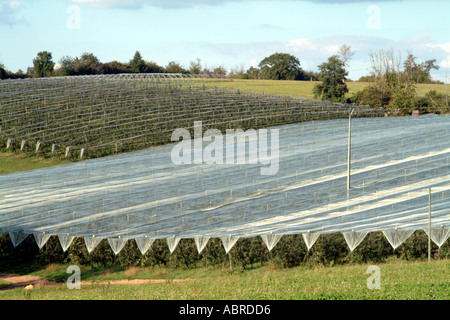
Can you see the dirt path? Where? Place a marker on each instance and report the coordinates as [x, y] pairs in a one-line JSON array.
[[18, 281]]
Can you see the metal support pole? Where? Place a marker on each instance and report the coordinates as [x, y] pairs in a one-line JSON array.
[[429, 224], [349, 150]]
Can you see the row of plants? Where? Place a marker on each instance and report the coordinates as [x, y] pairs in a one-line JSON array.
[[291, 251], [103, 116]]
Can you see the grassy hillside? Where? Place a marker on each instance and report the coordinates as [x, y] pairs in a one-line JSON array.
[[304, 89], [14, 162], [398, 280]]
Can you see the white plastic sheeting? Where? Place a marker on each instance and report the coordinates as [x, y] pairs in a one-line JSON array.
[[310, 239], [229, 242], [439, 236], [41, 239], [143, 194], [397, 237], [17, 237], [92, 242], [173, 243], [65, 241], [201, 243], [353, 238], [117, 244], [270, 240], [144, 244]]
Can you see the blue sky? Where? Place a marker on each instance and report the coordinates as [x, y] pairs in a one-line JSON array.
[[228, 33]]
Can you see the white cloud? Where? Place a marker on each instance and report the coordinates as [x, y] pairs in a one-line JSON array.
[[134, 4], [298, 44], [14, 4], [110, 3], [443, 46], [445, 63]]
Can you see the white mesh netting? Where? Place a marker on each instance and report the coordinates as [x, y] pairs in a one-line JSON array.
[[144, 244], [310, 239], [439, 236], [353, 239], [143, 195], [271, 240], [397, 237]]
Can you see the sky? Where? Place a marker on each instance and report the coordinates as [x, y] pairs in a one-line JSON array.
[[229, 33]]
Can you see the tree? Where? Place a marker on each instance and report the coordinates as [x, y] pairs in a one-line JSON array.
[[346, 54], [281, 66], [419, 72], [173, 67], [237, 72], [137, 64], [2, 71], [67, 66], [153, 67], [43, 64], [88, 63], [115, 67], [253, 73], [195, 67], [332, 87], [392, 88]]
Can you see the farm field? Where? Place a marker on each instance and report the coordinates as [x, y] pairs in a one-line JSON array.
[[304, 89], [399, 280], [15, 162]]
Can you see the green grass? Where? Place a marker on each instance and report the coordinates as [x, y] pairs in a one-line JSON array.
[[400, 280], [14, 162], [304, 89]]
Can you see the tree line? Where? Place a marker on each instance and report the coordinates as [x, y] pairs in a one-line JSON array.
[[279, 66], [392, 83]]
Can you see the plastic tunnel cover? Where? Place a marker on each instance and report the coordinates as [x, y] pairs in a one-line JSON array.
[[144, 244], [41, 239], [65, 241], [17, 237], [353, 239], [310, 239], [228, 242], [172, 242], [92, 242], [397, 237], [439, 236], [144, 192], [201, 242], [117, 244], [271, 240]]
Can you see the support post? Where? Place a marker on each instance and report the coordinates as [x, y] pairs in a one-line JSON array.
[[429, 224], [349, 150]]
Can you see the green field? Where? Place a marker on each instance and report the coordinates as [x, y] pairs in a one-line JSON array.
[[14, 162], [399, 280], [304, 89]]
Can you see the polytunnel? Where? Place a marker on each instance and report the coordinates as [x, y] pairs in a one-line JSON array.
[[399, 166]]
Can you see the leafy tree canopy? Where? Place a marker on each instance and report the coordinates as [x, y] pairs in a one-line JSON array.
[[281, 66], [137, 64], [332, 76], [43, 64]]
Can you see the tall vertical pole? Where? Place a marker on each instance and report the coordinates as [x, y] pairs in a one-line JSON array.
[[429, 224], [349, 150]]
